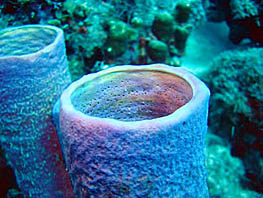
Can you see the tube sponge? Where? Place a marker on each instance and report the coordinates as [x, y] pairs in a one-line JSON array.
[[33, 73], [136, 131]]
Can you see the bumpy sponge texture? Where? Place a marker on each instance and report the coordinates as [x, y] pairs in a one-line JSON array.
[[33, 73], [142, 155]]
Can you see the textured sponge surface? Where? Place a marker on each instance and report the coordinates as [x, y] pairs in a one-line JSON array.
[[29, 86], [145, 158], [132, 95], [25, 40]]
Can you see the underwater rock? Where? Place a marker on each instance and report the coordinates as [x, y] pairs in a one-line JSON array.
[[7, 181], [80, 11], [13, 193], [244, 18], [163, 26], [76, 70], [157, 50], [197, 14], [241, 9], [225, 172], [136, 131], [216, 10], [33, 73], [115, 48], [83, 44], [236, 82]]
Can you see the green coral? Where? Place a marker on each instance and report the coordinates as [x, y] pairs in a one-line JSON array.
[[182, 11], [157, 51], [180, 34], [55, 22], [119, 33], [137, 22], [118, 30], [163, 26]]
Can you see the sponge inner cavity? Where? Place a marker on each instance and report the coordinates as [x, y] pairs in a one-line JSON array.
[[25, 40], [132, 95]]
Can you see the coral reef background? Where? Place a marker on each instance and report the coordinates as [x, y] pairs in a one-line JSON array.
[[218, 40]]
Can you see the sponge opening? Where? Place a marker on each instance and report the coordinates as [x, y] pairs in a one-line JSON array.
[[132, 95], [25, 40]]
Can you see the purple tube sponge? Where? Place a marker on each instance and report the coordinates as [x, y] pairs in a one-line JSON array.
[[136, 131], [33, 73]]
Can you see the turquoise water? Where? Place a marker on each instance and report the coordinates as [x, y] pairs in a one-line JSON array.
[[218, 41]]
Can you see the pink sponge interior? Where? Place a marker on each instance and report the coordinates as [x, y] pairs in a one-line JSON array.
[[132, 95]]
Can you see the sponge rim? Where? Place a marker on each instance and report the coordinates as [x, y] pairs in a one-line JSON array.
[[200, 94], [49, 47]]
